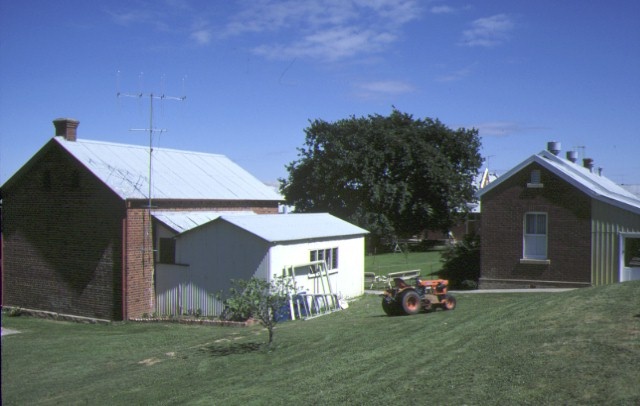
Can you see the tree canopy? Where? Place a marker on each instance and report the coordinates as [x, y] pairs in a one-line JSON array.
[[393, 175]]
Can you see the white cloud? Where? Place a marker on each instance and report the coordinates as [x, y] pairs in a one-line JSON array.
[[488, 31], [383, 88], [201, 36], [441, 10], [331, 44], [326, 30], [504, 128], [323, 29], [456, 75], [388, 87]]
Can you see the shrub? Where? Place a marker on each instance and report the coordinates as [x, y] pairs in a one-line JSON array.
[[462, 263], [14, 312]]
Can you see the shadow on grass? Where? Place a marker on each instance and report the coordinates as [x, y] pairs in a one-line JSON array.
[[232, 349]]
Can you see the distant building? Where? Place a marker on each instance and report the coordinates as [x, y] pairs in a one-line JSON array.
[[78, 232], [550, 221]]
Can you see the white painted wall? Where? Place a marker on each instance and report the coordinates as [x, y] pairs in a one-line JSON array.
[[347, 280], [208, 257]]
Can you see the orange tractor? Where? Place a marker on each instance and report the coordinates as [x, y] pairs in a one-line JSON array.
[[426, 295]]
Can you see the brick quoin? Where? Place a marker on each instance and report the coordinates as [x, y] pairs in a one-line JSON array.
[[568, 233]]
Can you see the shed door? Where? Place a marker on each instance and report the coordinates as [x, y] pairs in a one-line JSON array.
[[630, 257]]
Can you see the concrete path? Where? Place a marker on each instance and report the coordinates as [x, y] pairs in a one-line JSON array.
[[7, 331]]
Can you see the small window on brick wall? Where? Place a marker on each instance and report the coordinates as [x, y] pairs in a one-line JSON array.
[[535, 176], [167, 251], [536, 179]]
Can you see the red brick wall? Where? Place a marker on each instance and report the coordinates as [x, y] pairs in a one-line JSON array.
[[63, 241], [61, 237], [140, 295], [569, 232]]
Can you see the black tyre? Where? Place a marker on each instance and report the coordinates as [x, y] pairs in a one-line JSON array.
[[410, 302], [449, 303], [389, 306]]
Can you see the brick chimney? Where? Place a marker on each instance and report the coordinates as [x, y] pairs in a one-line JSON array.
[[66, 127]]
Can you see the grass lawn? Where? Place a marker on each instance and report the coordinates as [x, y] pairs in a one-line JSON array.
[[577, 347], [383, 264]]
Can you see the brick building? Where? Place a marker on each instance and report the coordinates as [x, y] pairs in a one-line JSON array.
[[78, 220], [552, 222]]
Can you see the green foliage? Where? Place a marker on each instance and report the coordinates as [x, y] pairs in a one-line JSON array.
[[392, 175], [14, 312], [461, 263], [256, 298]]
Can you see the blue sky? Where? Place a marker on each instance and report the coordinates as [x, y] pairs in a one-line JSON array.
[[254, 72]]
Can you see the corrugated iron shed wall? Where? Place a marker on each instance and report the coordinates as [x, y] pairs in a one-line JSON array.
[[607, 222]]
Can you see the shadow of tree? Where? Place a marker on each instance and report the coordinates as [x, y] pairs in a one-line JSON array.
[[218, 350]]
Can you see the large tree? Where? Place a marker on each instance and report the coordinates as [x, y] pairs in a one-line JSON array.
[[393, 175]]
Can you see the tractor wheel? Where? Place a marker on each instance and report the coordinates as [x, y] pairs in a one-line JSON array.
[[389, 306], [410, 302], [449, 303]]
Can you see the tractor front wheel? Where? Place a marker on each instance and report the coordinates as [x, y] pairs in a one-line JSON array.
[[449, 302], [410, 302]]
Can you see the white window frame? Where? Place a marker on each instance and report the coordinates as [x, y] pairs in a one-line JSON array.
[[539, 240], [332, 254]]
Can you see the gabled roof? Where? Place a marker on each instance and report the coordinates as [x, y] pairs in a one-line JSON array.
[[175, 174], [181, 221], [595, 186], [275, 228]]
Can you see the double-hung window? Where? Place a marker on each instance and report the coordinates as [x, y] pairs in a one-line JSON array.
[[535, 236]]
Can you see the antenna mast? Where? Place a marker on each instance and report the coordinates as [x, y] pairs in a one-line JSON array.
[[151, 129]]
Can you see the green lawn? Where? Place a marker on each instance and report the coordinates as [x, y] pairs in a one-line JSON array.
[[383, 264], [577, 347]]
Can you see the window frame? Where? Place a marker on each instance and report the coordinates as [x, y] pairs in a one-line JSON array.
[[531, 240], [167, 250], [331, 253]]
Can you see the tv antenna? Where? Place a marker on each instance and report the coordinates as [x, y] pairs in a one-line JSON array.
[[151, 129]]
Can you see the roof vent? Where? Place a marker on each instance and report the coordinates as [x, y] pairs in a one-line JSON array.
[[572, 156], [66, 127], [554, 147], [588, 163]]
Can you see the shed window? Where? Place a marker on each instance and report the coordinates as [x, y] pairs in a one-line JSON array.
[[167, 251], [329, 256], [535, 236], [632, 252]]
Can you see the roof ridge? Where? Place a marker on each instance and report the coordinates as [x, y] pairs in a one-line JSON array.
[[62, 141]]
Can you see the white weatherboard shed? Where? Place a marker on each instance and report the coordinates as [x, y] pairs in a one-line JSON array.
[[233, 246]]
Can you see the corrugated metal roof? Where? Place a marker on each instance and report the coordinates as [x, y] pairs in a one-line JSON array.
[[594, 185], [181, 221], [294, 227], [175, 174]]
